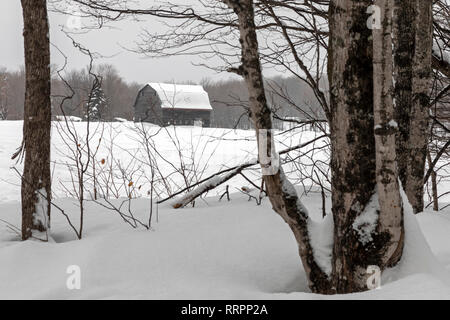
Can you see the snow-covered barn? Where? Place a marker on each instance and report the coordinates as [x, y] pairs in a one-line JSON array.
[[173, 104]]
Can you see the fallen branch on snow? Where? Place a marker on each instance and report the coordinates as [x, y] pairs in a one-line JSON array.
[[220, 177]]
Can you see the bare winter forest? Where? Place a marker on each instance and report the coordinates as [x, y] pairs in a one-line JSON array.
[[225, 149]]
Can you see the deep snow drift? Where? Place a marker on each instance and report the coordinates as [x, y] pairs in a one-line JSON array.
[[218, 250]]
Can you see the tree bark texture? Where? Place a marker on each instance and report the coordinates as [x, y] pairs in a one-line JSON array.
[[413, 30], [390, 220], [350, 72], [36, 182]]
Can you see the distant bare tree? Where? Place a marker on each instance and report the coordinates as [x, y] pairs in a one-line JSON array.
[[12, 93], [4, 106]]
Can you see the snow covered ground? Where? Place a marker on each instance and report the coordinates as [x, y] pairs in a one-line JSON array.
[[217, 250]]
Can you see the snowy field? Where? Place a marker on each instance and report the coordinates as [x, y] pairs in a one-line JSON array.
[[204, 151], [217, 250]]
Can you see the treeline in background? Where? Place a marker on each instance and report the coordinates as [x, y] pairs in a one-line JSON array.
[[290, 99]]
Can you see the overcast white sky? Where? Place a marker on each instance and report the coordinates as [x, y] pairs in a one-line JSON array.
[[107, 42]]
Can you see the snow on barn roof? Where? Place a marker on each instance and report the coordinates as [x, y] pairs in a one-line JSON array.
[[179, 96]]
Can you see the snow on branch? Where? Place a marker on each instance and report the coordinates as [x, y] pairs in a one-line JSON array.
[[209, 185], [220, 177]]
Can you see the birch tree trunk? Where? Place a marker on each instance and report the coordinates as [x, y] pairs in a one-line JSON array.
[[36, 188], [281, 192], [413, 30], [420, 112], [367, 207], [390, 220]]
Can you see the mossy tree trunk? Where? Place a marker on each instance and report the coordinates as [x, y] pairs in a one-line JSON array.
[[350, 72]]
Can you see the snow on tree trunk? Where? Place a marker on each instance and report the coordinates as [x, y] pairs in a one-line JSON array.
[[36, 182], [353, 141], [367, 231]]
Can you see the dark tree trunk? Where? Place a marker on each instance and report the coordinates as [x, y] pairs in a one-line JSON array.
[[350, 69], [363, 159], [404, 43], [413, 30], [36, 182], [420, 112]]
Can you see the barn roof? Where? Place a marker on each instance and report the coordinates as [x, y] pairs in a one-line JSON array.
[[179, 96]]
